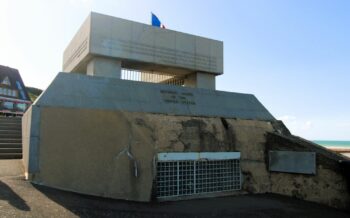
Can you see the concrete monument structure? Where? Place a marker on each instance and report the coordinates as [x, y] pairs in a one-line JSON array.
[[105, 44], [94, 132]]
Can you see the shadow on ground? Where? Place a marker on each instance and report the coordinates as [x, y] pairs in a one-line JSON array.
[[7, 194], [263, 205], [20, 198]]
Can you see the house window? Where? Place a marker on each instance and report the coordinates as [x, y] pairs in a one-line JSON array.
[[14, 93], [8, 92], [8, 105], [6, 81], [21, 106]]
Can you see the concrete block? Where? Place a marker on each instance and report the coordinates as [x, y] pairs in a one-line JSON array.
[[104, 67], [141, 47], [200, 80]]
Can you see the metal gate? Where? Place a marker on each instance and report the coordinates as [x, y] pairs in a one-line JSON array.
[[182, 174]]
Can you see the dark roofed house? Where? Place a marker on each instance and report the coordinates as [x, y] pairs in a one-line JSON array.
[[14, 99]]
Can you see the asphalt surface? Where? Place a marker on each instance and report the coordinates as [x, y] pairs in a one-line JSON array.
[[20, 198]]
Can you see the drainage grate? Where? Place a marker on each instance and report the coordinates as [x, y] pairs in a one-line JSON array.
[[181, 174]]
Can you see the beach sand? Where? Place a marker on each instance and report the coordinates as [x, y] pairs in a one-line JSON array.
[[346, 154], [344, 150]]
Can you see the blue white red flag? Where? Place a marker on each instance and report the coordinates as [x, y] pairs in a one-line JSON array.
[[156, 22]]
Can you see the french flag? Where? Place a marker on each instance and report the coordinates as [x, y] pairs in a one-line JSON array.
[[156, 22]]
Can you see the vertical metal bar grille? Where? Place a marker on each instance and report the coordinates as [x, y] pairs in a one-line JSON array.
[[152, 77], [181, 178]]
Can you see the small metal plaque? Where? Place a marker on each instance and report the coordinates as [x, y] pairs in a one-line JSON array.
[[175, 97], [292, 162]]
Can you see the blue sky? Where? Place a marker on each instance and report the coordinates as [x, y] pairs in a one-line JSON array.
[[293, 55]]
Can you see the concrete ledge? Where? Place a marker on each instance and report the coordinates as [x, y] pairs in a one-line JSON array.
[[142, 46], [81, 91]]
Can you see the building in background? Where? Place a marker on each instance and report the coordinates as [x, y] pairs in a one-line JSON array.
[[14, 99]]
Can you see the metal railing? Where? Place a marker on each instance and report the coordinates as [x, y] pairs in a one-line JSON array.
[[152, 77], [191, 177]]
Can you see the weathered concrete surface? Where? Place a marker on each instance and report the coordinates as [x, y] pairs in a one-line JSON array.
[[329, 185], [19, 198], [83, 150], [77, 136], [250, 140]]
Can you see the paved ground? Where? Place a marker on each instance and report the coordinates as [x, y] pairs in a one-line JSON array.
[[19, 198]]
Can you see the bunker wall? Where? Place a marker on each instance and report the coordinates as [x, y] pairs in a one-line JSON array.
[[85, 151]]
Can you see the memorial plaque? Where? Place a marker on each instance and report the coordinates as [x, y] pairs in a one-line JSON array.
[[292, 162], [178, 97]]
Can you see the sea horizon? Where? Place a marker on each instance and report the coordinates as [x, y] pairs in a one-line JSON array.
[[332, 143]]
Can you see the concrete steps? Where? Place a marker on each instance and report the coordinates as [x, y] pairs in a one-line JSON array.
[[11, 135], [10, 138], [10, 119], [10, 150], [10, 156], [11, 145], [10, 131], [10, 126]]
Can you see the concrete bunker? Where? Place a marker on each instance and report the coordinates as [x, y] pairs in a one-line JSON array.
[[94, 132]]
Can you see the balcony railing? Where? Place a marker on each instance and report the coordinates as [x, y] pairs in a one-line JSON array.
[[152, 77]]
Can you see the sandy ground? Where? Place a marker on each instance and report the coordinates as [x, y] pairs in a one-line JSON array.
[[346, 154], [344, 150], [20, 198]]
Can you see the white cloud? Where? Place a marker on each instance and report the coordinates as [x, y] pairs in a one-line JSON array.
[[295, 125]]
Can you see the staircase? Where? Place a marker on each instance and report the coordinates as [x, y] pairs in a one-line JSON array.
[[10, 138]]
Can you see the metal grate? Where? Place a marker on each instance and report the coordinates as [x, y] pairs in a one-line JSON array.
[[152, 77], [189, 177]]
